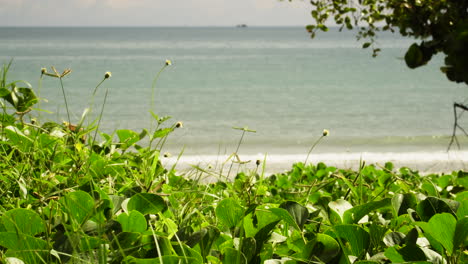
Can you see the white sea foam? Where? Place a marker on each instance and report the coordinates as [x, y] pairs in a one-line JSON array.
[[425, 162]]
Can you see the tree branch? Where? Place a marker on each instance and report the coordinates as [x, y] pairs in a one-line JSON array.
[[456, 125]]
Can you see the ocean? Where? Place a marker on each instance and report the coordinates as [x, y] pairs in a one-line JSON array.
[[274, 80]]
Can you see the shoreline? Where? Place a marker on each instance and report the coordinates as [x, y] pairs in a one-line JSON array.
[[422, 161]]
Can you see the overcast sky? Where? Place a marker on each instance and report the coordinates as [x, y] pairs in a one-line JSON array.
[[154, 12]]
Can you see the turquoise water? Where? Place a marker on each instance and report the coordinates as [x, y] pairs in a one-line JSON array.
[[276, 81]]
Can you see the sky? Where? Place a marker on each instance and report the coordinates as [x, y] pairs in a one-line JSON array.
[[154, 12]]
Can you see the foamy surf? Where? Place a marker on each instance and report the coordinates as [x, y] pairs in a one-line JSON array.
[[424, 162]]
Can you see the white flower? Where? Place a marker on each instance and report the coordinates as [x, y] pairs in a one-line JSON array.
[[325, 132]]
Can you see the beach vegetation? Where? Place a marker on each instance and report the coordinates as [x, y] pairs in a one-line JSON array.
[[69, 197]]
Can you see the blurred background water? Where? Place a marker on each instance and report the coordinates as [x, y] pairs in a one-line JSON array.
[[276, 81]]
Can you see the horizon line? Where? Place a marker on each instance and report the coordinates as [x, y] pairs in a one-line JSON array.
[[153, 26]]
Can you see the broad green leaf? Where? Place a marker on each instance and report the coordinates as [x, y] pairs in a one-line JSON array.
[[433, 205], [462, 179], [444, 181], [461, 233], [393, 255], [377, 232], [408, 253], [442, 228], [206, 241], [297, 211], [28, 98], [355, 237], [23, 221], [233, 256], [256, 221], [22, 246], [322, 247], [462, 196], [127, 137], [162, 132], [250, 228], [463, 209], [183, 250], [4, 92], [21, 97], [263, 235], [134, 221], [78, 205], [353, 215], [366, 45], [249, 247], [286, 217], [126, 240], [264, 216], [116, 203], [266, 253], [170, 226], [229, 212], [338, 208], [6, 119], [18, 138], [412, 237], [296, 242], [430, 188], [402, 202], [143, 134], [147, 203], [414, 56]]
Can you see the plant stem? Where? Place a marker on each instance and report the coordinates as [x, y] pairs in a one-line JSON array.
[[310, 150], [100, 117], [39, 94], [65, 99], [152, 92], [91, 105], [97, 86], [237, 151]]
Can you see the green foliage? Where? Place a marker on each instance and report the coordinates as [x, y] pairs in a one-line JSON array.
[[229, 212], [147, 203], [132, 222], [323, 248], [441, 26], [68, 198], [22, 221]]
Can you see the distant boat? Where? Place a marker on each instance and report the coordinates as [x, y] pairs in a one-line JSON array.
[[241, 26]]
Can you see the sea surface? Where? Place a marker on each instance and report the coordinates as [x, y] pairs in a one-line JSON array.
[[276, 81]]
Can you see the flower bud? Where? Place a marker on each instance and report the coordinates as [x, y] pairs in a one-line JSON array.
[[43, 70], [179, 124], [325, 132], [168, 63], [107, 75]]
